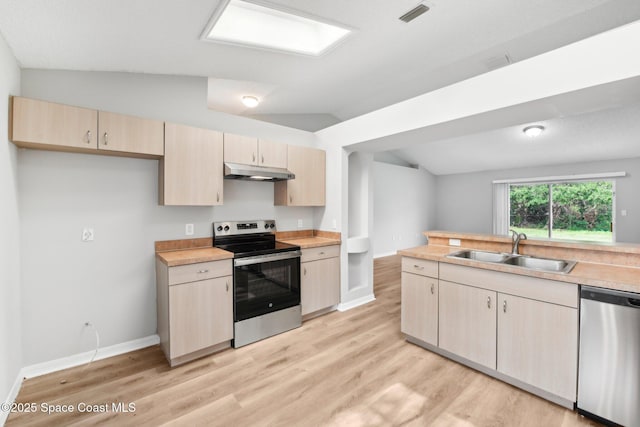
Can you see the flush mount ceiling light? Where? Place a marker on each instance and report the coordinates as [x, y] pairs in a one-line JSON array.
[[263, 26], [250, 101], [533, 131]]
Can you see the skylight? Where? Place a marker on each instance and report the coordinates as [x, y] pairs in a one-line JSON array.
[[249, 24]]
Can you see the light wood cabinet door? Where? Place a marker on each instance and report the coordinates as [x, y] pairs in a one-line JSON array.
[[538, 344], [319, 284], [200, 315], [128, 134], [272, 154], [240, 149], [41, 124], [191, 172], [467, 323], [308, 187], [419, 307]]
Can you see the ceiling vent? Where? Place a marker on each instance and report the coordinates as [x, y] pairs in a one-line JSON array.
[[498, 62], [414, 13]]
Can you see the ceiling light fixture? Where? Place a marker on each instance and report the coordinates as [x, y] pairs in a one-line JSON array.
[[250, 101], [533, 131], [258, 25]]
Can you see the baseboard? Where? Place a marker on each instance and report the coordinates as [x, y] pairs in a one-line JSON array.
[[82, 358], [385, 254], [356, 302], [13, 393]]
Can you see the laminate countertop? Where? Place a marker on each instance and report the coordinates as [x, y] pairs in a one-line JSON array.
[[192, 256], [609, 276], [311, 242]]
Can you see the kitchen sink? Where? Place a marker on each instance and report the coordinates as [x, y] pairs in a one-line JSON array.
[[545, 264], [480, 255], [530, 262]]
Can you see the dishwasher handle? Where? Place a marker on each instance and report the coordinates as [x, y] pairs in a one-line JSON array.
[[626, 299]]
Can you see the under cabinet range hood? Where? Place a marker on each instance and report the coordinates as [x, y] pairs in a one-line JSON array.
[[256, 173]]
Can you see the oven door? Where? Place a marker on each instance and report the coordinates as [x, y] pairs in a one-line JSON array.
[[265, 283]]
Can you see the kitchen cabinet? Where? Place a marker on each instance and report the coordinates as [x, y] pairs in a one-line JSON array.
[[50, 126], [253, 151], [320, 279], [419, 299], [308, 187], [191, 171], [120, 133], [195, 309], [538, 344], [467, 323]]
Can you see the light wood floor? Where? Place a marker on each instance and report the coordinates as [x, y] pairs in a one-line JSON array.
[[342, 369]]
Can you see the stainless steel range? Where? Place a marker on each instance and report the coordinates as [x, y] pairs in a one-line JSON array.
[[266, 279]]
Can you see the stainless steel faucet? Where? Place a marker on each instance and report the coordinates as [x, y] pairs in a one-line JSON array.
[[515, 238]]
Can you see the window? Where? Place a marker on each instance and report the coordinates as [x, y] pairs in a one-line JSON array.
[[580, 210]]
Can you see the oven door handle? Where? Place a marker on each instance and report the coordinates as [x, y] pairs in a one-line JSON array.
[[266, 258]]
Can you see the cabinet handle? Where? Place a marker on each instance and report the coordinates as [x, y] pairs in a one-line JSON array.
[[217, 196], [106, 138], [488, 302], [290, 198], [254, 157], [432, 289], [88, 137], [417, 267], [305, 271], [321, 253], [504, 306], [202, 271], [262, 158], [227, 283]]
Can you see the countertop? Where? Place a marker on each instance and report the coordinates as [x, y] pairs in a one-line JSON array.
[[623, 278], [192, 256], [311, 242]]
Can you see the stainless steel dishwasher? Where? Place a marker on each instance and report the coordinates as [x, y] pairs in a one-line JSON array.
[[609, 368]]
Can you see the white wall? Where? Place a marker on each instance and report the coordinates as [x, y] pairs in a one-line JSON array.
[[464, 201], [111, 281], [403, 207], [10, 321]]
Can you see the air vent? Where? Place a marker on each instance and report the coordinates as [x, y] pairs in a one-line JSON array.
[[414, 13], [497, 62]]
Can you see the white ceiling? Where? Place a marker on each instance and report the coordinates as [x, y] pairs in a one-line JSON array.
[[385, 61]]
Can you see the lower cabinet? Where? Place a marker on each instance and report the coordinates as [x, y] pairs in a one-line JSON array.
[[468, 322], [320, 278], [521, 329], [195, 309], [419, 301], [538, 344]]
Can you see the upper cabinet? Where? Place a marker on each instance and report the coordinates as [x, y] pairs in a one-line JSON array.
[[128, 134], [308, 187], [46, 125], [191, 172], [248, 150], [51, 126]]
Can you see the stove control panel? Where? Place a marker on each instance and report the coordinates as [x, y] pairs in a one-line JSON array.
[[235, 228]]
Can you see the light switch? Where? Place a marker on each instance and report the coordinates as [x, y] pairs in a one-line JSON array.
[[623, 212], [188, 229]]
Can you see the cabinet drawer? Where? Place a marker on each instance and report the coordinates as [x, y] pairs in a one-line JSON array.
[[422, 267], [313, 254], [199, 271]]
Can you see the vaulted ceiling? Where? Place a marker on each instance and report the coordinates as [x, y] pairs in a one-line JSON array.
[[383, 62]]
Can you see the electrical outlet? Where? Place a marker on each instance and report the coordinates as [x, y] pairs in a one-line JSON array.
[[299, 223], [87, 234], [454, 242], [623, 212], [188, 229]]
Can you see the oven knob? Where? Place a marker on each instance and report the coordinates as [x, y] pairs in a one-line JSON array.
[[266, 226], [272, 225], [219, 228], [226, 228]]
